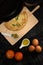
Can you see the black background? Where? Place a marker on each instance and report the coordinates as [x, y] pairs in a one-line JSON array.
[[36, 32]]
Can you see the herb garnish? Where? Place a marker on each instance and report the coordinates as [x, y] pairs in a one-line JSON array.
[[17, 24], [15, 35], [14, 24], [16, 18]]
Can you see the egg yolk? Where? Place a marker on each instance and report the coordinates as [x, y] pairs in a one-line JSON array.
[[25, 42]]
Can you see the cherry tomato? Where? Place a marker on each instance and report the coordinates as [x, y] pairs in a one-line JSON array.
[[10, 54], [19, 56]]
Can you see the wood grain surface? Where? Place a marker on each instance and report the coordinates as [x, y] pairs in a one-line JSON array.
[[32, 21]]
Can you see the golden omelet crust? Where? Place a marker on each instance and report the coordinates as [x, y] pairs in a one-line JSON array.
[[15, 25]]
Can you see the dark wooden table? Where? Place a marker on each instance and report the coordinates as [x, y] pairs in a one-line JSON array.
[[5, 45]]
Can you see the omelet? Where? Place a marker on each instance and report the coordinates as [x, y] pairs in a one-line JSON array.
[[18, 22]]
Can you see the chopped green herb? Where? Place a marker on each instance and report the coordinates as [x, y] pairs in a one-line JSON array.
[[14, 24], [15, 35], [16, 18], [18, 24]]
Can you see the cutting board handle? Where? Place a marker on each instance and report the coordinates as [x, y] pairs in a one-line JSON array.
[[35, 9]]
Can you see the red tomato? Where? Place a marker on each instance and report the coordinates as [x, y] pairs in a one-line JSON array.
[[10, 54], [18, 56]]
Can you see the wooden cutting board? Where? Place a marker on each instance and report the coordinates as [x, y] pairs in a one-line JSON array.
[[32, 21]]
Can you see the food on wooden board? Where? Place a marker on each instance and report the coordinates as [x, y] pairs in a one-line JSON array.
[[15, 35], [18, 22]]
